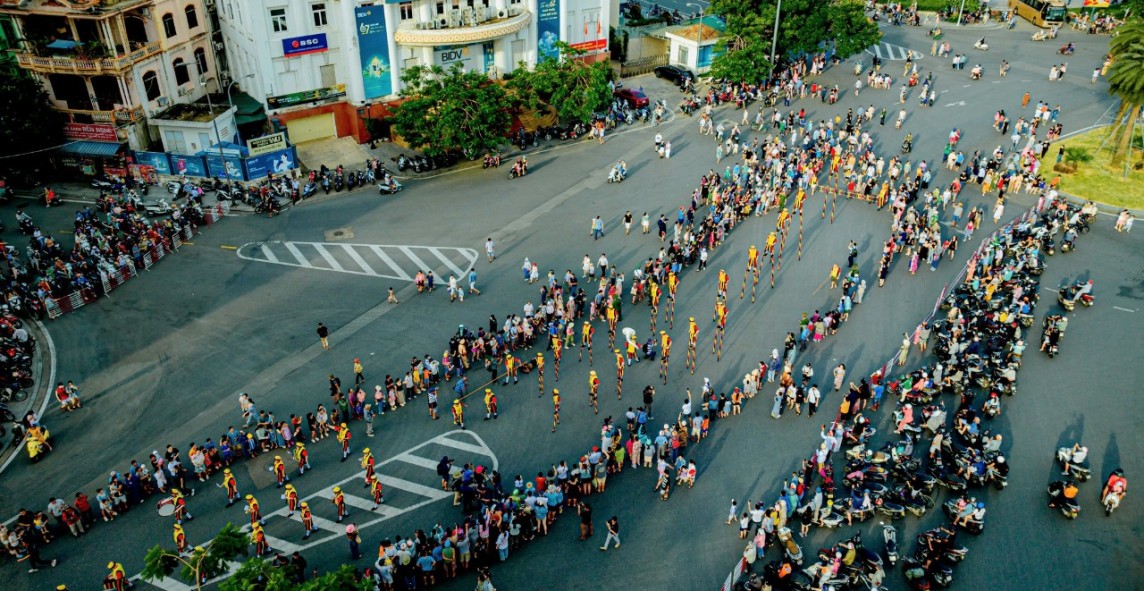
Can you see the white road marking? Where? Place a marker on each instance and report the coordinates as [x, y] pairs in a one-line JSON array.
[[269, 254], [382, 513], [329, 258], [454, 268], [357, 259], [385, 258], [326, 256], [957, 104], [302, 260], [418, 461], [420, 264], [1122, 309]]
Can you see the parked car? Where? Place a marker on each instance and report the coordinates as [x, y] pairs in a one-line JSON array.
[[676, 74], [634, 98]]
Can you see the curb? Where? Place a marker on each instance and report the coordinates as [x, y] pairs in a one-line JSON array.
[[1105, 208], [45, 361]]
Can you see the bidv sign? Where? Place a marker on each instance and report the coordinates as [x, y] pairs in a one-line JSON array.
[[471, 57]]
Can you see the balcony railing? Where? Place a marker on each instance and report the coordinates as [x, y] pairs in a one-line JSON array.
[[72, 65], [462, 27]]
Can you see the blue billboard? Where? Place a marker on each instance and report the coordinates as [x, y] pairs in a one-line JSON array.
[[231, 172], [156, 160], [373, 48], [274, 163], [295, 46], [188, 165], [547, 29]]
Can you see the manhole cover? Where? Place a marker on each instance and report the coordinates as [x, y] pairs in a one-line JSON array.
[[339, 234]]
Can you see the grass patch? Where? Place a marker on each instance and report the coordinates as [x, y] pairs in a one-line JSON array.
[[1098, 179]]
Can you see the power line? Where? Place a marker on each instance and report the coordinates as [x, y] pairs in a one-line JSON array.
[[48, 149]]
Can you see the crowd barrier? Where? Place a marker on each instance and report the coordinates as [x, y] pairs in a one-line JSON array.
[[58, 306]]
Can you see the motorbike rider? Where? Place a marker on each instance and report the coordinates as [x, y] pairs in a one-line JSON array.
[[1059, 492], [968, 509], [1089, 210], [1116, 485], [1075, 455], [857, 505], [980, 43], [1081, 289], [998, 468]]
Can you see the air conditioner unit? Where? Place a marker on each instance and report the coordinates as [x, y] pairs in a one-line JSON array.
[[163, 101], [502, 13], [442, 22], [185, 91], [219, 46], [514, 11]]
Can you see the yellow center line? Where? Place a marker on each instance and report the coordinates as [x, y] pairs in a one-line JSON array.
[[228, 247]]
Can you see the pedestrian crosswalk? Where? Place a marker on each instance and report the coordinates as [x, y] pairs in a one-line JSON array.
[[889, 51], [400, 262], [409, 481]]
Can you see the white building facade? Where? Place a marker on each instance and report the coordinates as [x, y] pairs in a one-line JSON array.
[[322, 66]]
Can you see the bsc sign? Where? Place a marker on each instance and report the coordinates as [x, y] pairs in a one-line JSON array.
[[295, 46]]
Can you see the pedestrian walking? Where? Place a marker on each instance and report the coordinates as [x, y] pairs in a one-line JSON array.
[[584, 510], [324, 334], [391, 297], [613, 524], [839, 376], [1025, 100], [490, 250], [354, 539], [905, 349]]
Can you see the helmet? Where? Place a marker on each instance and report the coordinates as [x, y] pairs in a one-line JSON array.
[[488, 390], [663, 332], [337, 489], [617, 350], [555, 391], [592, 372], [305, 504], [691, 319], [980, 505], [226, 470], [277, 457], [350, 529], [250, 497], [343, 425], [178, 527], [289, 487], [365, 450], [111, 564]]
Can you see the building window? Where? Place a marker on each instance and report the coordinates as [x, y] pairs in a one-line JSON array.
[[182, 74], [514, 1], [201, 60], [683, 55], [192, 17], [440, 8], [151, 85], [319, 12], [329, 75], [406, 9], [169, 25], [278, 20]]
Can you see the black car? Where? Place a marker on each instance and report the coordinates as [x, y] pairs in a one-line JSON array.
[[676, 74]]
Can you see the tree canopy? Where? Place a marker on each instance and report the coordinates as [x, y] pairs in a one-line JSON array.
[[28, 124], [573, 87], [1126, 81], [451, 110], [804, 25]]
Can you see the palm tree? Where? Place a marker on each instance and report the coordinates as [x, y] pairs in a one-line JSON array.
[[1126, 82]]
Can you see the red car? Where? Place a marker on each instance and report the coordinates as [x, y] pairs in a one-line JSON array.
[[633, 98]]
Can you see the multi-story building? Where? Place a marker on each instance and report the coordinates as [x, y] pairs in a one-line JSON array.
[[111, 64], [322, 66]]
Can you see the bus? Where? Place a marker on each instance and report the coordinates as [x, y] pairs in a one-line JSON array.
[[1043, 13]]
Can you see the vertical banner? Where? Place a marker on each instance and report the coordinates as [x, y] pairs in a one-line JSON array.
[[547, 29], [373, 47]]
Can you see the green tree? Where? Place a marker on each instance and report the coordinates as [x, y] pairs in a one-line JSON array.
[[850, 29], [573, 87], [451, 110], [257, 574], [804, 25], [203, 563], [28, 124], [1126, 82]]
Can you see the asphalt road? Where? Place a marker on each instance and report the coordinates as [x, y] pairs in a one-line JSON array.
[[162, 360]]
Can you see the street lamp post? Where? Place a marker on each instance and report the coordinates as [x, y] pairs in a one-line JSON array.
[[214, 122], [698, 34], [960, 13], [230, 103], [775, 35]]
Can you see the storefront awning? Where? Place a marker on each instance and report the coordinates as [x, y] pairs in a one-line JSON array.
[[248, 109], [90, 148]]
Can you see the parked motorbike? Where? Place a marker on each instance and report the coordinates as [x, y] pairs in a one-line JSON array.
[[890, 538]]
